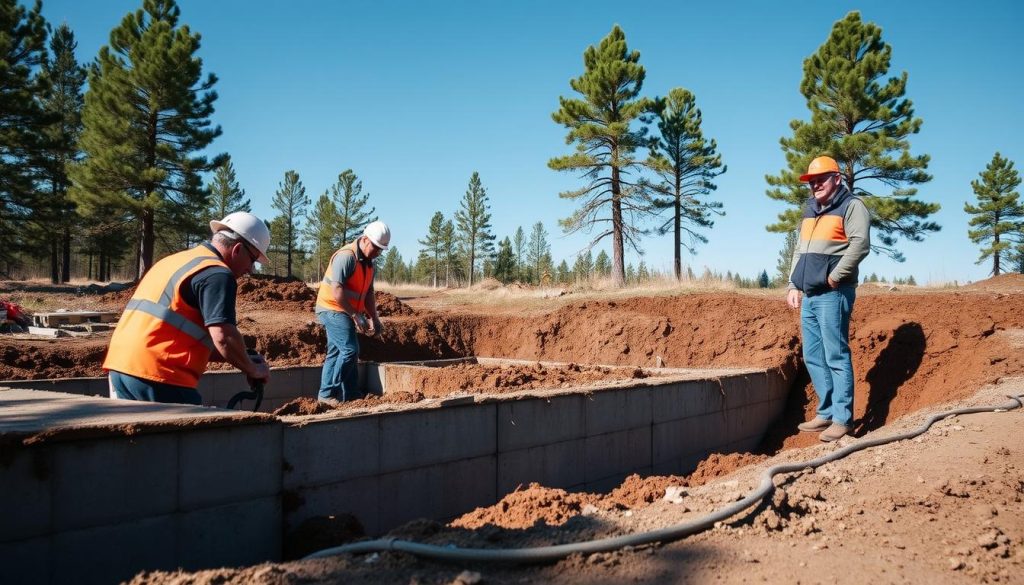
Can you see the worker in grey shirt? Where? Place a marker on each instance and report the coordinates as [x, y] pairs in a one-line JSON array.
[[835, 235], [346, 307]]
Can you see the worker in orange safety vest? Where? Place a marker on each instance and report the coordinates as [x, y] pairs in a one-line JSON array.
[[182, 315], [345, 306]]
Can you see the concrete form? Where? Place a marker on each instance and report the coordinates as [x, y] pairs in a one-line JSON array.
[[98, 490]]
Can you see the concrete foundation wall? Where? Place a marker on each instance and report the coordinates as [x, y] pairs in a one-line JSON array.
[[100, 506], [440, 463], [97, 507]]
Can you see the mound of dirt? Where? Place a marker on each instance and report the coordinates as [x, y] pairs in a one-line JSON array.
[[527, 507], [1008, 282], [261, 292], [388, 305], [440, 381]]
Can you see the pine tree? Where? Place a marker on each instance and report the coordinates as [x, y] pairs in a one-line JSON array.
[[602, 264], [449, 252], [226, 195], [504, 262], [863, 121], [350, 202], [536, 249], [393, 267], [22, 52], [474, 224], [65, 79], [600, 125], [997, 217], [146, 117], [642, 274], [319, 232], [690, 165], [519, 248], [762, 281], [433, 248], [583, 267], [290, 199], [563, 273], [785, 262]]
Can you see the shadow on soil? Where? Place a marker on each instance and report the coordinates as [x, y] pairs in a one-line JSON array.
[[896, 364]]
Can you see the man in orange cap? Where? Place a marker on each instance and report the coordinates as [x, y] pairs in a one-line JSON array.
[[835, 235]]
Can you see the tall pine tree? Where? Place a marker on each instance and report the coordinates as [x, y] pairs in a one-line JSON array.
[[319, 231], [433, 246], [64, 100], [226, 195], [862, 119], [601, 126], [537, 250], [22, 52], [146, 122], [474, 225], [350, 203], [691, 164], [291, 201], [997, 216]]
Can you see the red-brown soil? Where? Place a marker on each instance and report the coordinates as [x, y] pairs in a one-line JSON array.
[[886, 517]]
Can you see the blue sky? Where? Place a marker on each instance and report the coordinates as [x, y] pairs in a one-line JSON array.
[[416, 95]]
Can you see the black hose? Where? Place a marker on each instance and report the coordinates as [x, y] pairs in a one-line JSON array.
[[553, 553], [256, 393]]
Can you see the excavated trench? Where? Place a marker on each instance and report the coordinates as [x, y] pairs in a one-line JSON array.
[[458, 439]]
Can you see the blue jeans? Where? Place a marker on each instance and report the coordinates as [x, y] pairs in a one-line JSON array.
[[131, 388], [825, 321], [340, 377]]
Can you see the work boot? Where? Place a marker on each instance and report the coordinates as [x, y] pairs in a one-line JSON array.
[[813, 426], [332, 402], [834, 433]]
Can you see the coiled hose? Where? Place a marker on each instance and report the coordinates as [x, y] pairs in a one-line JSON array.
[[544, 554]]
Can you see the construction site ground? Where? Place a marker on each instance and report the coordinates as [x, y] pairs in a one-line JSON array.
[[947, 507]]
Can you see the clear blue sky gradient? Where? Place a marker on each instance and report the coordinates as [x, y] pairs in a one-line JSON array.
[[414, 96]]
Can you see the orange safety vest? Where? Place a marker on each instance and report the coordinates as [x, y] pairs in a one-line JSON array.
[[159, 336], [355, 288]]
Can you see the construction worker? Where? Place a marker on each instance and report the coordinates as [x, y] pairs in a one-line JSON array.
[[345, 306], [182, 315], [835, 235]]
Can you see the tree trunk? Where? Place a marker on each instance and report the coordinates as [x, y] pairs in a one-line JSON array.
[[65, 272], [618, 263], [147, 243]]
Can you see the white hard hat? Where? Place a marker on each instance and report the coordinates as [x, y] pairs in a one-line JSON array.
[[379, 234], [250, 227]]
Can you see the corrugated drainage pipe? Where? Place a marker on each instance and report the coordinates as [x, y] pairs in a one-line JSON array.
[[553, 553]]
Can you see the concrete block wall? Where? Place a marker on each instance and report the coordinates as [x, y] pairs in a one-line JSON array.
[[100, 509], [386, 469], [217, 387]]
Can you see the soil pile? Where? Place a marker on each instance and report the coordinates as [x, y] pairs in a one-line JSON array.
[[440, 381], [260, 292]]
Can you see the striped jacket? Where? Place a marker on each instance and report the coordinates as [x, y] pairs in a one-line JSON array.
[[833, 241]]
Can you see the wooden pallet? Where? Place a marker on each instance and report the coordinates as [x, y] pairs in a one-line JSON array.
[[73, 318]]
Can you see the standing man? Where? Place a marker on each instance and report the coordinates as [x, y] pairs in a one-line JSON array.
[[835, 235], [182, 315], [345, 305]]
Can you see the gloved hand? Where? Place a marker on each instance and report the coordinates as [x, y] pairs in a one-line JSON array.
[[262, 368], [360, 322], [374, 327]]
